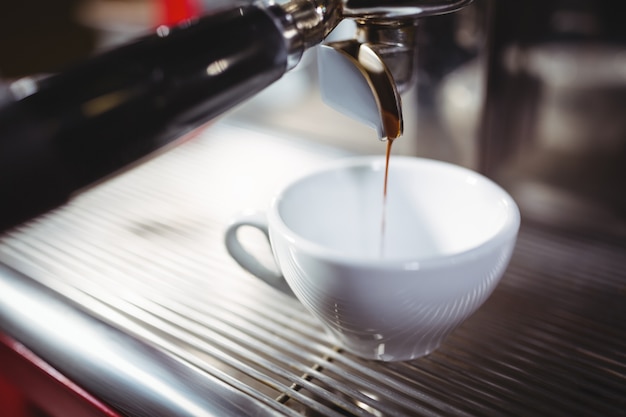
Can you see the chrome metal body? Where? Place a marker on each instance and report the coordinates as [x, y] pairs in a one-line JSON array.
[[106, 360], [387, 32], [305, 23]]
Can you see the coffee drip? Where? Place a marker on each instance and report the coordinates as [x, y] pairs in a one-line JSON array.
[[393, 128]]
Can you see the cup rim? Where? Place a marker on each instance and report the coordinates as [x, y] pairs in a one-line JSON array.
[[507, 232]]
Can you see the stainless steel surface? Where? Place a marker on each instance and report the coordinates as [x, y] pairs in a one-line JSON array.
[[143, 252], [131, 376], [396, 46], [391, 11]]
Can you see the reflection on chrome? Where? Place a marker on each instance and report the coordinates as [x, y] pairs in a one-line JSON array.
[[107, 361]]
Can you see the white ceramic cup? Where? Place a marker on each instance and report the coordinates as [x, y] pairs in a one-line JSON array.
[[448, 236]]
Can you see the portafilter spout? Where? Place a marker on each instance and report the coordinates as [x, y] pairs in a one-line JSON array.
[[355, 81], [363, 77]]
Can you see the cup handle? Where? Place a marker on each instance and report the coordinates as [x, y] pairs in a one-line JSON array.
[[248, 261]]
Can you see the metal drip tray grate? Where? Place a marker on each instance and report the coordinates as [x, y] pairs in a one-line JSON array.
[[144, 252]]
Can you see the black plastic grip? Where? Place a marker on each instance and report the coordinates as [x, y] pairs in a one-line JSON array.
[[118, 107]]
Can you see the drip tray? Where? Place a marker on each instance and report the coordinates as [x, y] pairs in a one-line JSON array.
[[143, 253]]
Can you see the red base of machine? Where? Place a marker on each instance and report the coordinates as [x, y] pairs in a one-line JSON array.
[[176, 11], [30, 387]]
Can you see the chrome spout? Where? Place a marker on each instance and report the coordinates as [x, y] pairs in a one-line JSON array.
[[364, 78], [355, 81], [396, 47]]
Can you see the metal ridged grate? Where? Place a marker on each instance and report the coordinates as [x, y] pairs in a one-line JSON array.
[[145, 252]]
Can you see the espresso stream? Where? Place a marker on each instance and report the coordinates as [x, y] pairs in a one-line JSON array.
[[393, 128], [383, 223]]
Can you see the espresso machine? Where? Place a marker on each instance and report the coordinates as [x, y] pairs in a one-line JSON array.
[[137, 98], [117, 297]]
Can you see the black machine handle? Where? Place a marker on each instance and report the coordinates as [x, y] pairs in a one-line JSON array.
[[86, 123]]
